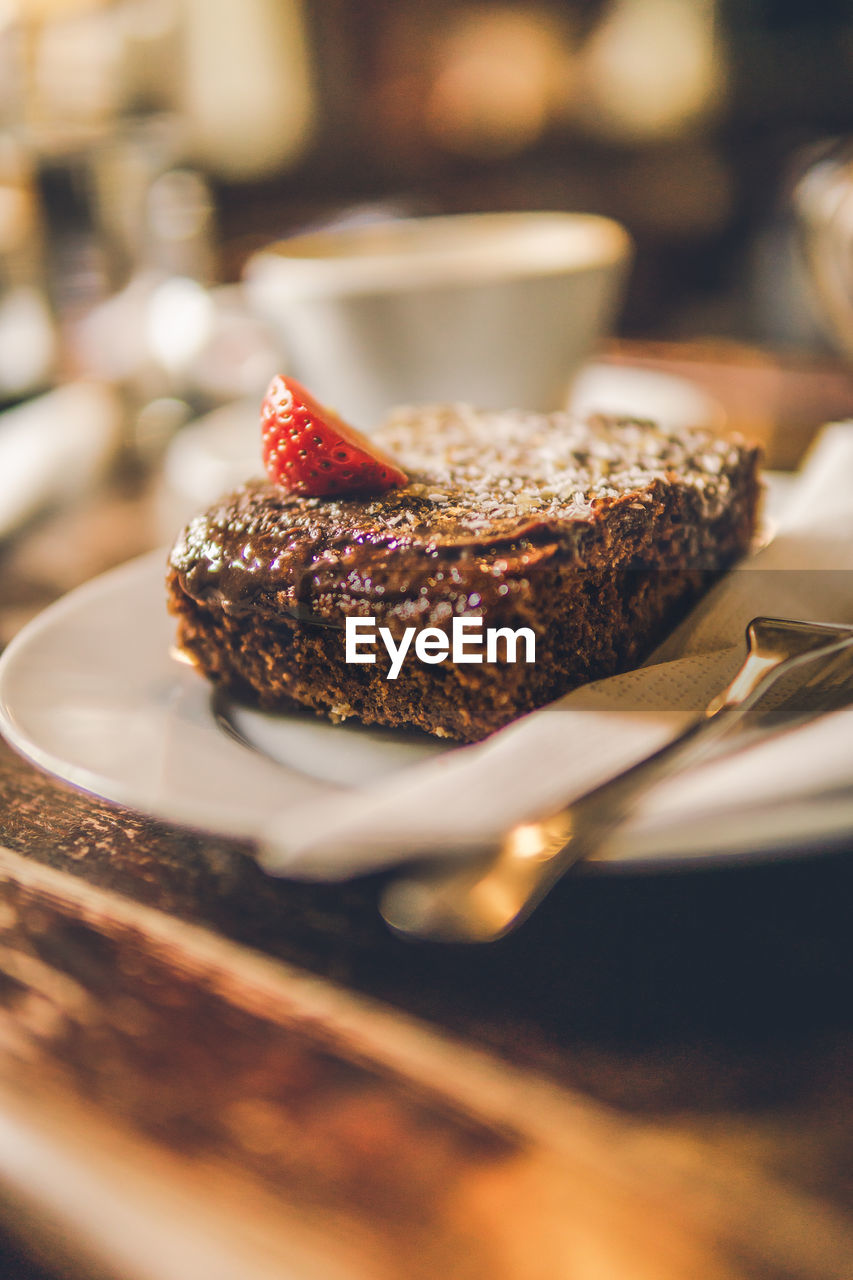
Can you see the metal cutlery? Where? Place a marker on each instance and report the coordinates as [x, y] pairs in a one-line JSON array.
[[484, 901]]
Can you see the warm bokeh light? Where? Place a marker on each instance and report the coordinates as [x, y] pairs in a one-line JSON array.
[[651, 69], [247, 84], [499, 72], [240, 72], [78, 69]]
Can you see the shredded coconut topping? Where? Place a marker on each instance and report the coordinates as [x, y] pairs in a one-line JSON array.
[[484, 466], [479, 476]]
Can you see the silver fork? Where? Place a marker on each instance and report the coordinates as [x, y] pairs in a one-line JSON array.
[[482, 902]]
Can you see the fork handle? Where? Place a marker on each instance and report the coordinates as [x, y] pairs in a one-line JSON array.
[[482, 902]]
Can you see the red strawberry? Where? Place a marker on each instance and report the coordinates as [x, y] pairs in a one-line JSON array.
[[308, 449]]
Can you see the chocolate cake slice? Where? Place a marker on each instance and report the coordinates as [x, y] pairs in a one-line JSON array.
[[588, 540]]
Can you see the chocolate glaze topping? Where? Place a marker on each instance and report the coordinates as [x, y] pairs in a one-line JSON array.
[[490, 495]]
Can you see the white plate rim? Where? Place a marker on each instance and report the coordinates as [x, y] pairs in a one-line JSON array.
[[803, 823]]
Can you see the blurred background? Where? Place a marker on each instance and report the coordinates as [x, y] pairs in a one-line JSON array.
[[149, 147]]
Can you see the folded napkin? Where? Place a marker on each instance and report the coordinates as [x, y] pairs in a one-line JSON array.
[[463, 799], [54, 446]]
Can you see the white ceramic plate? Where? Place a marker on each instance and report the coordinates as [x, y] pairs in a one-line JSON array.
[[92, 692]]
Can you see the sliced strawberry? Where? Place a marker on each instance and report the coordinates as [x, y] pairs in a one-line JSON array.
[[308, 449]]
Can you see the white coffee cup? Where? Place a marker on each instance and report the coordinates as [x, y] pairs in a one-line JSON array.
[[497, 309]]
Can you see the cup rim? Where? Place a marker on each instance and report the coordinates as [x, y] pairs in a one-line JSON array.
[[393, 255]]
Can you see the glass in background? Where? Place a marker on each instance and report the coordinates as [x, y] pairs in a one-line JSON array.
[[28, 346], [824, 203]]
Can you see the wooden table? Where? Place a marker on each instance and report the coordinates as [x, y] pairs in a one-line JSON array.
[[204, 1073]]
